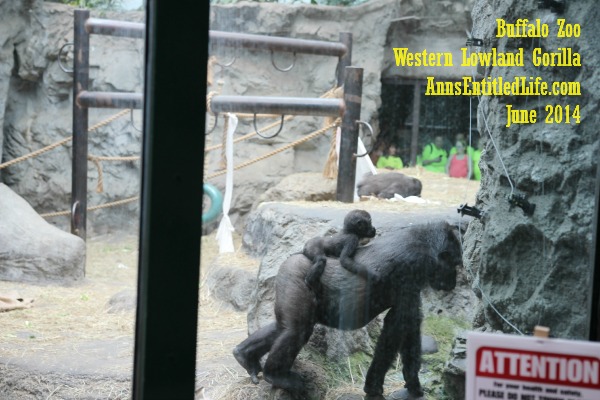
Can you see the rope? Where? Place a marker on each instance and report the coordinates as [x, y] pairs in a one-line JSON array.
[[93, 208], [113, 158], [218, 173], [96, 160], [276, 151], [100, 184], [61, 142], [209, 98], [330, 170], [109, 119], [35, 153], [210, 69]]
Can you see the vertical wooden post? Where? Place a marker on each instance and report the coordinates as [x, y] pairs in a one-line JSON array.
[[414, 140], [349, 141], [80, 126], [346, 59]]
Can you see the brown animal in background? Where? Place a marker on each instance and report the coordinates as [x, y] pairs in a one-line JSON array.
[[387, 184]]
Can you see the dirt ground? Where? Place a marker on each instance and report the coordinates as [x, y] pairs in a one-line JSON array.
[[69, 331], [69, 345]]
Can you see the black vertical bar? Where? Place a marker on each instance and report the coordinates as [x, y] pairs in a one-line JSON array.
[[349, 141], [171, 204], [416, 120], [594, 304], [81, 65], [346, 59]]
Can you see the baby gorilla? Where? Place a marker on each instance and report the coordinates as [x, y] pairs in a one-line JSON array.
[[357, 225]]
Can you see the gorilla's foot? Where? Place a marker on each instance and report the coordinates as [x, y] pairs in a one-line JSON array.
[[250, 365], [374, 397], [290, 381], [402, 394], [415, 391]]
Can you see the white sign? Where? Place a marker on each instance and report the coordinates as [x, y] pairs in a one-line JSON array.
[[531, 368]]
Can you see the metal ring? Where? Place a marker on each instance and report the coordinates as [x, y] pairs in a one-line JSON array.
[[60, 64], [229, 64], [215, 125], [282, 69], [370, 134], [131, 120], [267, 137], [74, 209]]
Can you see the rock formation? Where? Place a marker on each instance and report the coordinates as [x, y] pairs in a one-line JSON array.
[[31, 250]]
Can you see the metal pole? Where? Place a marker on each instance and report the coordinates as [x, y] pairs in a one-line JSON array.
[[115, 28], [110, 100], [349, 141], [80, 126], [346, 59], [274, 43], [414, 140], [277, 105]]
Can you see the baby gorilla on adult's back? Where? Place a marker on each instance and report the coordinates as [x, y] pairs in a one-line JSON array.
[[399, 265], [357, 225]]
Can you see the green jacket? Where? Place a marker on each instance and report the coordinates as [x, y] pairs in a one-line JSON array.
[[476, 171], [431, 152], [390, 162]]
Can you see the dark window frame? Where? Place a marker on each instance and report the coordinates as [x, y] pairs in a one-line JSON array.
[[171, 204]]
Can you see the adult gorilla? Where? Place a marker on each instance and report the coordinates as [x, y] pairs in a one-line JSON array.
[[398, 265]]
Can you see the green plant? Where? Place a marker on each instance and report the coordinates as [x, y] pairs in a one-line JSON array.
[[93, 4], [443, 330]]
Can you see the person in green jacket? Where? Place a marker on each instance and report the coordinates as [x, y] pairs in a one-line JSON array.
[[476, 157], [390, 159], [435, 157]]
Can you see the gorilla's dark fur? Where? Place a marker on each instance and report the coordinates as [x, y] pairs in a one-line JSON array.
[[398, 265], [385, 185], [357, 225]]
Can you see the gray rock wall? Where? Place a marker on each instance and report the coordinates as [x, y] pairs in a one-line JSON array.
[[36, 111], [536, 269]]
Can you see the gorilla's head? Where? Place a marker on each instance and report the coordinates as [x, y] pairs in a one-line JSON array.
[[442, 275], [358, 222]]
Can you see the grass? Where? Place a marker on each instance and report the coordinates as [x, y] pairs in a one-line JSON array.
[[347, 376], [443, 330]]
